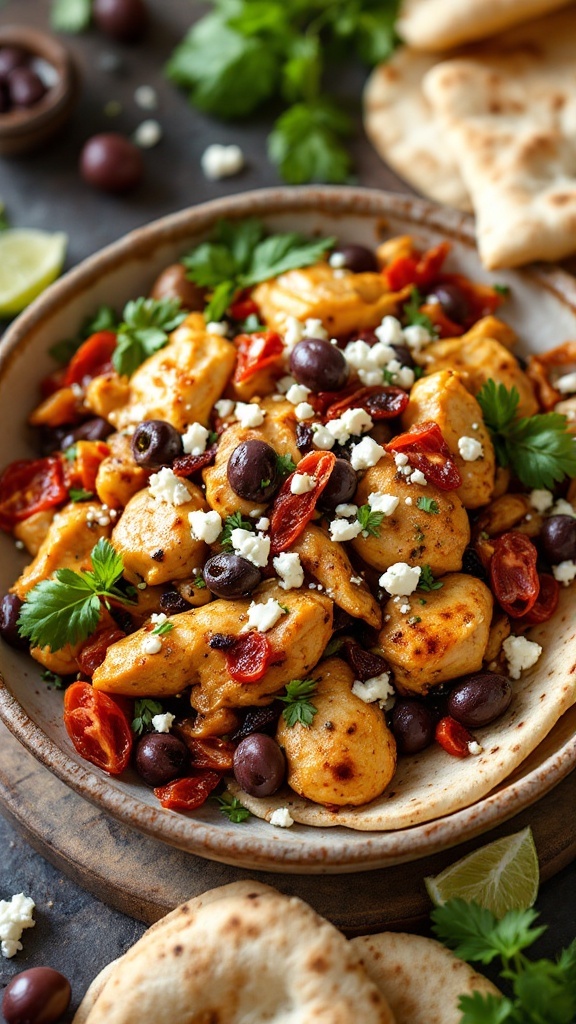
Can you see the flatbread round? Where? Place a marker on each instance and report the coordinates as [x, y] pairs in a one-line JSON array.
[[440, 24], [401, 125], [421, 979]]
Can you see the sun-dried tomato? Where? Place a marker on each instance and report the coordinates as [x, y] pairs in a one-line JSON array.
[[98, 728], [93, 652], [242, 308], [453, 737], [546, 603], [210, 752], [418, 269], [82, 471], [93, 358], [29, 486], [248, 657], [382, 403], [187, 465], [513, 575], [426, 450], [291, 512], [190, 792], [256, 351]]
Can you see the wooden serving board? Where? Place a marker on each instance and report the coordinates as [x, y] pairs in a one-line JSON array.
[[145, 878]]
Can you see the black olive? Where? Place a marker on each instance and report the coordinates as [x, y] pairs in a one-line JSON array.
[[231, 576], [9, 613], [253, 471], [413, 725], [155, 443], [479, 699], [160, 758], [25, 88], [404, 356], [472, 565], [259, 765], [94, 429], [258, 720], [357, 258], [111, 163], [452, 300], [558, 536], [125, 20], [341, 486], [37, 996], [318, 365], [11, 57]]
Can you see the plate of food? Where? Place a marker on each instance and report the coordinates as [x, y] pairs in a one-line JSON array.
[[289, 530]]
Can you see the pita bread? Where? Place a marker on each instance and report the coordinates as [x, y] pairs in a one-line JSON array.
[[403, 129], [441, 24], [509, 116], [441, 978], [429, 785], [237, 957]]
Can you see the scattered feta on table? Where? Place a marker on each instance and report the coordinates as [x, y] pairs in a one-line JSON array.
[[147, 134], [520, 654], [15, 916], [219, 161]]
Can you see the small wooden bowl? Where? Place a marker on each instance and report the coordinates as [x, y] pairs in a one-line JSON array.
[[25, 129]]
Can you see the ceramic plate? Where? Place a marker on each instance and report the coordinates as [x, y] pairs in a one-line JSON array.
[[542, 308]]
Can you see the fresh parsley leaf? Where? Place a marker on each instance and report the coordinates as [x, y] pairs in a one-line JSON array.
[[79, 494], [502, 289], [234, 522], [428, 505], [265, 482], [199, 583], [387, 376], [251, 325], [144, 711], [475, 934], [144, 330], [70, 15], [414, 317], [336, 644], [71, 453], [162, 628], [307, 143], [285, 465], [53, 680], [375, 36], [302, 70], [499, 405], [488, 1008], [279, 253], [232, 808], [66, 608], [299, 707], [370, 521], [427, 581]]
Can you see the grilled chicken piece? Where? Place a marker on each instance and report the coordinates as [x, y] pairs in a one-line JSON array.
[[119, 478], [328, 562]]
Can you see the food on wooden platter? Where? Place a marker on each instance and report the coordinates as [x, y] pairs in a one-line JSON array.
[[313, 542]]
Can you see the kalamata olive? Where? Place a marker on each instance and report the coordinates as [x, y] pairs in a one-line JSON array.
[[404, 355], [25, 87], [365, 664], [160, 758], [11, 57], [479, 699], [472, 565], [452, 301], [259, 765], [125, 20], [341, 486], [318, 365], [37, 996], [231, 576], [357, 258], [253, 471], [94, 429], [413, 725], [155, 443], [111, 163], [9, 612], [558, 536], [172, 283], [258, 720]]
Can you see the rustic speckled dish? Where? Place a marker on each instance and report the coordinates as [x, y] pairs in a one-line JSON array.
[[542, 308]]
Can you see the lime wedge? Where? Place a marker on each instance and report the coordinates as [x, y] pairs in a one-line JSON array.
[[501, 876], [29, 261]]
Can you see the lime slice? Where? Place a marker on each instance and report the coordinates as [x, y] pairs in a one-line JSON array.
[[501, 876], [29, 261]]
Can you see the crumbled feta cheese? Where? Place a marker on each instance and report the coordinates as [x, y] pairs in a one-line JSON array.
[[249, 414], [566, 385], [416, 337], [474, 748], [304, 411], [405, 608], [322, 438], [378, 688], [470, 449], [195, 438], [15, 916], [254, 547], [315, 329], [520, 654], [302, 483], [151, 644], [281, 818], [357, 421], [563, 508], [297, 393], [285, 383], [264, 616], [403, 376], [217, 327], [400, 459], [390, 331], [401, 579], [221, 161], [293, 332], [337, 260], [224, 407], [263, 524], [341, 530], [386, 503], [564, 572], [146, 97], [365, 454], [147, 134], [289, 569], [206, 526], [345, 510], [541, 500], [158, 618], [417, 477], [163, 723], [166, 486], [408, 501]]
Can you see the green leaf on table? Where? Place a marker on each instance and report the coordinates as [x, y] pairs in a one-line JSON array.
[[307, 143], [70, 15]]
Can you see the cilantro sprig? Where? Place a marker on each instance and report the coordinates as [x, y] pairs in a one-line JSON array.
[[144, 711], [239, 255], [235, 521], [539, 449], [429, 505], [299, 708], [427, 582], [163, 628], [144, 330], [104, 319], [540, 990], [66, 608], [369, 520], [231, 807]]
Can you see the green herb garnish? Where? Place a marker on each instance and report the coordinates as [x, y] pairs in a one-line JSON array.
[[79, 494], [232, 808], [234, 522], [53, 680], [70, 15], [162, 628], [66, 608], [539, 449], [370, 521], [199, 583], [285, 465], [306, 143], [335, 645], [144, 330], [299, 707], [427, 581], [414, 317], [428, 505], [104, 319], [502, 289], [144, 711]]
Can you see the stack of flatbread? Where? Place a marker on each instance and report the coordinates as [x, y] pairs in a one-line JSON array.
[[489, 126], [246, 954]]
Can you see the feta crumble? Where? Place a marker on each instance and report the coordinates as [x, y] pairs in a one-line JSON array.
[[151, 644], [146, 97], [470, 449], [206, 526], [386, 503], [158, 618], [289, 569], [304, 411], [563, 508], [474, 748], [566, 385], [322, 438], [346, 510], [337, 260], [416, 337], [281, 818], [166, 486], [417, 477], [147, 134], [254, 547], [390, 331], [195, 438], [378, 688], [541, 500], [264, 616], [217, 327], [520, 654], [219, 161], [224, 407], [249, 414], [15, 916], [341, 530], [365, 454], [564, 572], [263, 524], [297, 393], [302, 483], [400, 579], [163, 723]]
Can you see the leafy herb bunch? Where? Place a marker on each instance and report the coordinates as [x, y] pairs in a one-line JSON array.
[[247, 52]]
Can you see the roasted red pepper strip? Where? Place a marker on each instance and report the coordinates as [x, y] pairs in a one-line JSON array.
[[291, 512], [249, 657], [418, 269], [453, 737], [98, 728], [29, 486], [93, 652], [513, 575], [243, 308], [255, 351], [187, 465], [426, 450], [210, 752], [188, 793], [383, 403], [93, 358], [546, 603]]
